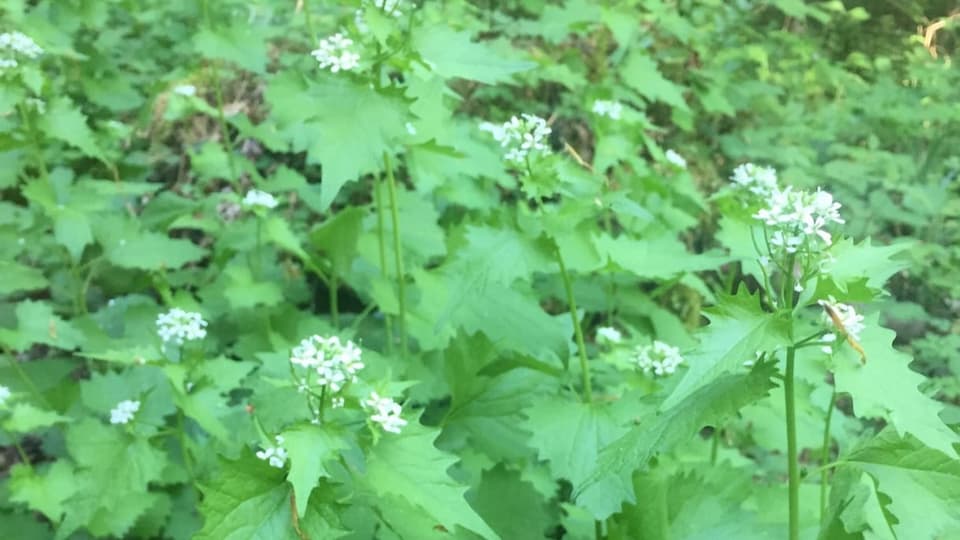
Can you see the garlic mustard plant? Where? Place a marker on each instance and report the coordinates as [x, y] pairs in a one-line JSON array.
[[522, 137], [610, 109], [658, 358], [124, 411], [327, 361], [259, 199], [385, 412], [275, 455], [337, 54]]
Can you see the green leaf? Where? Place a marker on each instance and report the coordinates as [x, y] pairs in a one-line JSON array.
[[570, 436], [344, 126], [153, 251], [337, 237], [309, 448], [512, 507], [241, 44], [924, 484], [247, 499], [44, 491], [113, 473], [454, 54], [65, 122], [18, 277], [886, 387], [708, 405], [640, 73], [738, 328], [72, 230], [409, 466], [36, 323], [863, 261], [663, 257], [25, 418]]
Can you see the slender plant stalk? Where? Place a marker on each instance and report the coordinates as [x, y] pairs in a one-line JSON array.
[[222, 120], [334, 306], [382, 243], [309, 21], [714, 445], [793, 469], [825, 457], [577, 330], [184, 446], [397, 253], [257, 254]]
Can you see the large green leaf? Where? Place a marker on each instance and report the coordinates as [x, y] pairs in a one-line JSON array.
[[660, 432], [153, 251], [18, 277], [309, 448], [886, 387], [923, 484], [450, 54], [738, 328], [410, 466]]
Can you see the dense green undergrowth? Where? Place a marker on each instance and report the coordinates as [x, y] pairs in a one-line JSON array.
[[628, 269]]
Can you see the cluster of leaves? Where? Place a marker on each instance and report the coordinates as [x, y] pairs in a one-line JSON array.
[[474, 289]]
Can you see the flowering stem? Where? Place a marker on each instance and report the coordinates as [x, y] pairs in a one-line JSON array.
[[222, 120], [793, 471], [825, 456], [334, 308], [184, 446], [397, 253], [382, 242], [257, 256], [577, 330]]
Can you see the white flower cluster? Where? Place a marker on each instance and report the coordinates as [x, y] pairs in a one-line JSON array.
[[675, 158], [276, 456], [385, 412], [124, 411], [609, 334], [4, 394], [520, 136], [255, 198], [16, 43], [336, 53], [797, 215], [843, 317], [659, 358], [758, 180], [610, 109], [185, 90], [178, 326], [335, 363]]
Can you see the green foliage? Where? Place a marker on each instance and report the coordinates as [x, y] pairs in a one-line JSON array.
[[485, 279]]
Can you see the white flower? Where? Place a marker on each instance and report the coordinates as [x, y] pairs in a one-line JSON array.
[[386, 412], [797, 287], [390, 7], [17, 43], [847, 319], [520, 136], [610, 109], [124, 411], [609, 334], [4, 394], [337, 402], [276, 456], [410, 129], [796, 216], [185, 90], [255, 197], [750, 362], [335, 363], [178, 326], [659, 358], [336, 54], [758, 180], [675, 158]]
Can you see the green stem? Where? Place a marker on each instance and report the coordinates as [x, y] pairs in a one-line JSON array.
[[184, 447], [382, 244], [397, 253], [715, 446], [24, 458], [825, 456], [577, 330], [257, 255], [222, 120], [309, 21], [793, 470], [334, 307]]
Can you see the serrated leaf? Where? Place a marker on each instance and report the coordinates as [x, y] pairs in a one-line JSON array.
[[309, 448], [72, 230], [661, 432], [36, 323], [450, 54], [25, 418], [886, 387], [662, 257], [18, 277], [924, 484], [738, 328], [64, 121], [45, 490], [409, 466], [153, 251], [337, 237], [640, 72], [570, 436], [234, 44]]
